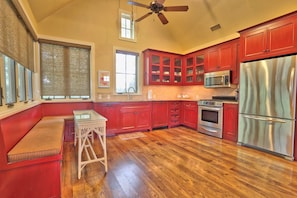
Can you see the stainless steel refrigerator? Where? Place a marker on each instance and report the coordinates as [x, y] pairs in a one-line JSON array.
[[267, 105]]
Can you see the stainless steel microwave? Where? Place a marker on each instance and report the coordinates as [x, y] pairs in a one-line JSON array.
[[217, 79]]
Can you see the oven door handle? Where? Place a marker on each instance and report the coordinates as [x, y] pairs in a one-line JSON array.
[[211, 108]]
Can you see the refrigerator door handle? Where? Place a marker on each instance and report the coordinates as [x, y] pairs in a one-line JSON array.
[[270, 120], [291, 87]]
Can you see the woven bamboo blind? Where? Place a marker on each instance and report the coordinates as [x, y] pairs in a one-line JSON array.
[[15, 41], [65, 71]]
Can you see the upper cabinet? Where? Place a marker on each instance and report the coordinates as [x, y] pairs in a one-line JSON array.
[[194, 64], [270, 39], [162, 68], [224, 57]]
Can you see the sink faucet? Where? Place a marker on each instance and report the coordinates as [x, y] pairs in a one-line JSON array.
[[129, 93]]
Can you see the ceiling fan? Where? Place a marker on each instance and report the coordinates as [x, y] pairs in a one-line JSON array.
[[157, 6]]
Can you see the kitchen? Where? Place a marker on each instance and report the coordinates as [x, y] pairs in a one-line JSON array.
[[154, 95]]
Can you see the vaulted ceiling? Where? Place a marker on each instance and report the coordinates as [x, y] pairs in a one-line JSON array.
[[191, 28]]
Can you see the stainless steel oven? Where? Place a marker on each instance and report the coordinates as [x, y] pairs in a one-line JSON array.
[[210, 117]]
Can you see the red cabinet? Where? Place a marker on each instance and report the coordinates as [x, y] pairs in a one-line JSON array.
[[194, 64], [159, 115], [135, 116], [162, 68], [110, 111], [230, 122], [190, 114], [224, 57], [274, 38], [174, 112]]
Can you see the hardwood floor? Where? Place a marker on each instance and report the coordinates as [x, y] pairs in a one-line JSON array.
[[179, 162]]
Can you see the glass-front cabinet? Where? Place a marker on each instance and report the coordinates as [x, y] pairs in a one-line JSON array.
[[194, 68], [162, 68]]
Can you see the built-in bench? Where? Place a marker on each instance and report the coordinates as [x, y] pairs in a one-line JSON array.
[[31, 148], [43, 140], [31, 167]]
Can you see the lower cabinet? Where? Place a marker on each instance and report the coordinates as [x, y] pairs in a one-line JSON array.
[[230, 122], [135, 116], [190, 114], [125, 116], [159, 114], [69, 130], [174, 111]]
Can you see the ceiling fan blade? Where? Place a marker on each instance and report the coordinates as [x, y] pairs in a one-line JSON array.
[[176, 8], [162, 18], [138, 4], [143, 17], [160, 1]]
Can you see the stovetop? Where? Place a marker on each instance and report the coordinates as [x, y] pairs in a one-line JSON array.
[[216, 101]]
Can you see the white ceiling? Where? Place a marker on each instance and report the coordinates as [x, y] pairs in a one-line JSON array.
[[192, 28]]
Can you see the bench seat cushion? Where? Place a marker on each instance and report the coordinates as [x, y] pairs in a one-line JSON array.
[[44, 139]]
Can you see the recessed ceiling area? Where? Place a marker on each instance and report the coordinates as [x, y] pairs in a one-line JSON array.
[[189, 29]]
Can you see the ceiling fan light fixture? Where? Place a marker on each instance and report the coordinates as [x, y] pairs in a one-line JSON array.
[[215, 27]]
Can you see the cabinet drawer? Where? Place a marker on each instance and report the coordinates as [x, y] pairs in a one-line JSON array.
[[174, 111], [174, 117]]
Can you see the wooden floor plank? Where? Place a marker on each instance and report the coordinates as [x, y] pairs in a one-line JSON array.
[[179, 162]]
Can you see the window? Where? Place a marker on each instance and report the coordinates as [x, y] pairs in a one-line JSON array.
[[126, 72], [65, 71], [21, 83], [10, 80], [127, 26]]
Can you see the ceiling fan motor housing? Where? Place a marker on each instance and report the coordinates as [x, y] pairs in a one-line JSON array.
[[156, 7]]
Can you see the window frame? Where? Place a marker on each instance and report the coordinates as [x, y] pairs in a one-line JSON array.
[[68, 47], [127, 16], [12, 79], [29, 84], [137, 68], [21, 82]]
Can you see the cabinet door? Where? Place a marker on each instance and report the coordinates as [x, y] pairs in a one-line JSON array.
[[127, 118], [227, 58], [143, 119], [199, 67], [111, 112], [159, 114], [230, 122], [190, 114], [188, 73], [282, 37], [254, 43], [177, 70], [212, 59]]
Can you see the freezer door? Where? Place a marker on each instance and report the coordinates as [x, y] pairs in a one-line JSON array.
[[268, 87], [272, 134]]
